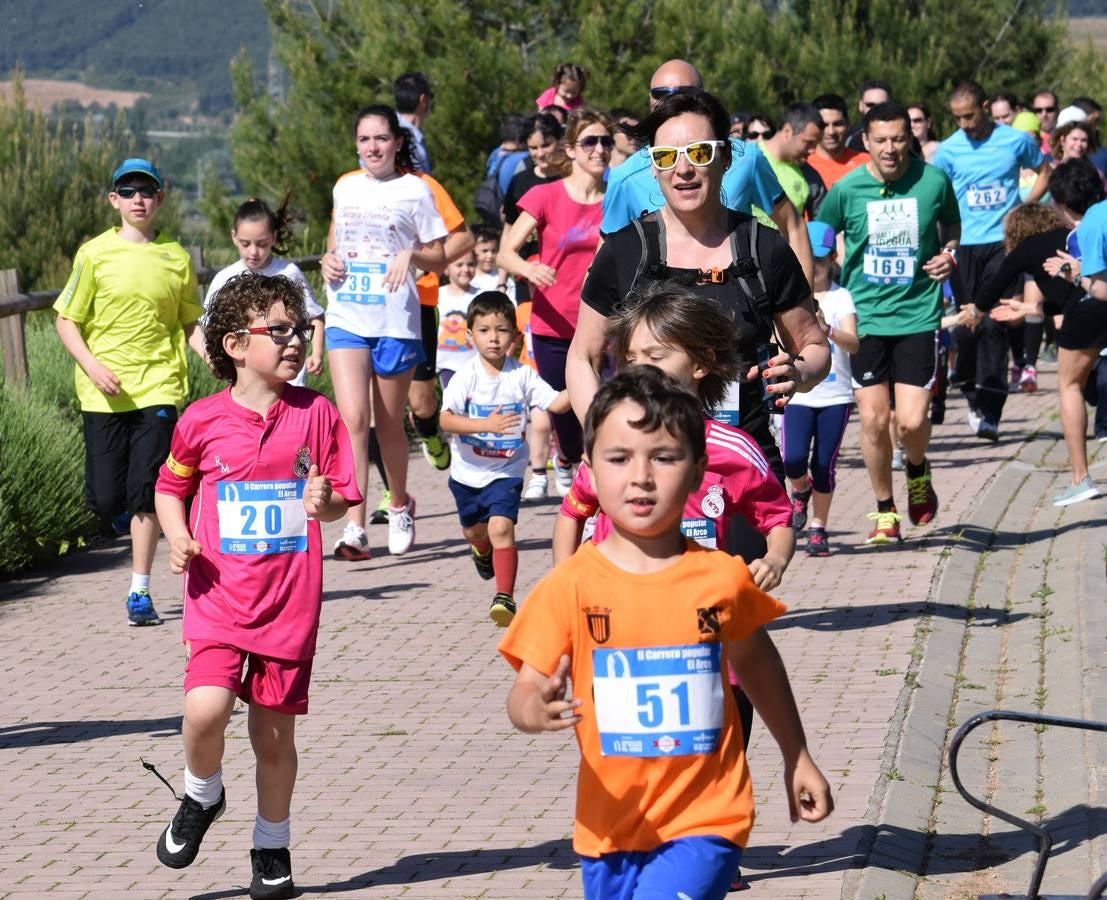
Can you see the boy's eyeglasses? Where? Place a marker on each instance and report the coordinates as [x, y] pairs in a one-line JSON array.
[[593, 140], [127, 191], [660, 93], [700, 153], [281, 334]]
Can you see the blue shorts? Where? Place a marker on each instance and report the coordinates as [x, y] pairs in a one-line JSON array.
[[391, 356], [479, 504], [699, 867]]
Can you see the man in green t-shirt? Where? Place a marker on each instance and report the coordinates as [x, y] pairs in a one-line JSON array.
[[124, 315], [900, 223], [801, 127]]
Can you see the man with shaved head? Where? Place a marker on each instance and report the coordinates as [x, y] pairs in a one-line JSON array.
[[632, 189]]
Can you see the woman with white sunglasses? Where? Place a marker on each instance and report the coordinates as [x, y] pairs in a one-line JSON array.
[[696, 241], [566, 215]]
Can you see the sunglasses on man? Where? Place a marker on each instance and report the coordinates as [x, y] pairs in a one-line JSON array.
[[660, 93]]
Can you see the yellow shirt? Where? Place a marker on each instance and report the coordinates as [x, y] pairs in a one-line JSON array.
[[131, 302]]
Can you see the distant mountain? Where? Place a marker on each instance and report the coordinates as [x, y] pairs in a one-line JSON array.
[[124, 44]]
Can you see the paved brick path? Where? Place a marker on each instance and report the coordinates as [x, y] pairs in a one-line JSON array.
[[412, 784]]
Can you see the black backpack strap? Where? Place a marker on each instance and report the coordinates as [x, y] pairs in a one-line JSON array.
[[751, 278], [652, 248]]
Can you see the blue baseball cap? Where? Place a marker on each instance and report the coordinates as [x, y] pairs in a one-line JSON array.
[[137, 166], [822, 239]]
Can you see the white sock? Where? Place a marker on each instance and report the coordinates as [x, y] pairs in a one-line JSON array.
[[139, 582], [272, 835], [205, 791]]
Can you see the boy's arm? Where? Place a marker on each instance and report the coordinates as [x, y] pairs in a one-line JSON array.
[[171, 516], [560, 403], [764, 679], [567, 533], [537, 702], [106, 381], [780, 546], [320, 501], [194, 335], [496, 423]]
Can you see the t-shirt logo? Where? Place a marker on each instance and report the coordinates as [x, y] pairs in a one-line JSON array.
[[713, 503], [599, 623], [303, 462], [709, 623]]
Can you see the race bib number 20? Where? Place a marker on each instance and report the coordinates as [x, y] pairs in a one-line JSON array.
[[261, 517], [658, 701]]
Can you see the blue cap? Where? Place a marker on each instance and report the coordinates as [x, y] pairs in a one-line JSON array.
[[137, 167], [822, 239]]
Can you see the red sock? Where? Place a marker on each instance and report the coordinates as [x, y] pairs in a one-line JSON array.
[[483, 547], [505, 560]]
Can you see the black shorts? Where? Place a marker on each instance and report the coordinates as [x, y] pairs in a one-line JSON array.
[[123, 452], [977, 264], [1083, 325], [428, 327], [904, 359]]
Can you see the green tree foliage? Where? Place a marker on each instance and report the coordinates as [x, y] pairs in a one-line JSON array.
[[53, 188], [485, 59]]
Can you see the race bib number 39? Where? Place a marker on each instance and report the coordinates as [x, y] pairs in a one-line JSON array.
[[658, 701], [259, 517], [364, 284]]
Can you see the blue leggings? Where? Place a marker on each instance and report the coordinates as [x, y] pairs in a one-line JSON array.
[[814, 433]]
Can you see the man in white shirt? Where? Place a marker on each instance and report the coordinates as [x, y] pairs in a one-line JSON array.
[[413, 95]]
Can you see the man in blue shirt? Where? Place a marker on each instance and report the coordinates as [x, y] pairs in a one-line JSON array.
[[983, 159], [632, 189]]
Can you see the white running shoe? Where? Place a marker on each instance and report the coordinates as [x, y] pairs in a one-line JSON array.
[[401, 528], [536, 486], [353, 546], [563, 480]]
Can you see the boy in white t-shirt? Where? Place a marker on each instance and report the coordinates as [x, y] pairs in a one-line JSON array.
[[815, 422], [488, 277], [454, 347], [485, 408]]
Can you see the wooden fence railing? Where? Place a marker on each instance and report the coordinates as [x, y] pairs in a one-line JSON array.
[[14, 307]]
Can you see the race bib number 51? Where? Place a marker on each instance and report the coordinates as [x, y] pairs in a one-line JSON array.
[[658, 701], [258, 517]]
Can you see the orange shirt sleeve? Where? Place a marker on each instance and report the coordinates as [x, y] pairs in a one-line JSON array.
[[427, 286], [543, 631]]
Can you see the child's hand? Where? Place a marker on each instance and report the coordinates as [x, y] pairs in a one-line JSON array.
[[398, 270], [181, 552], [106, 381], [317, 492], [809, 796], [503, 422], [767, 572], [550, 703], [315, 363]]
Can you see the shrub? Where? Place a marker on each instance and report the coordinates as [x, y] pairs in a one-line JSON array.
[[42, 509]]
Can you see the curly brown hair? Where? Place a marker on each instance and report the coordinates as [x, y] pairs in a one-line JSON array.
[[236, 304], [1027, 220]]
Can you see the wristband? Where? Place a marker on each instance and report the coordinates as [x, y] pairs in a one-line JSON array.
[[951, 252]]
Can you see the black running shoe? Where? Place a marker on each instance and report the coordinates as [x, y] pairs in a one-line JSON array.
[[272, 874], [180, 842], [483, 563], [502, 610]]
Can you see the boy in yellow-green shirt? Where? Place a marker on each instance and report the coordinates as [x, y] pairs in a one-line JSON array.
[[125, 315]]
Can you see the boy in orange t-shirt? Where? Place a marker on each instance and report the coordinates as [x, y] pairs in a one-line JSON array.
[[640, 623]]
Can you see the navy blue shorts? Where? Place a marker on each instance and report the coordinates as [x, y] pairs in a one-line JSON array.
[[701, 867], [479, 504]]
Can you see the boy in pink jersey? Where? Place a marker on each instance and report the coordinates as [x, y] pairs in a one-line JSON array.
[[267, 462]]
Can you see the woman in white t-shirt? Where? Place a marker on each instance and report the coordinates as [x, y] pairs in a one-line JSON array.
[[815, 422], [384, 226]]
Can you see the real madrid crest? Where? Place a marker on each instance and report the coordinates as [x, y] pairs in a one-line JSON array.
[[713, 503], [303, 462]]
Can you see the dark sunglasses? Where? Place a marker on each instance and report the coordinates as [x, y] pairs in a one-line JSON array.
[[918, 121], [281, 334], [603, 140], [660, 93], [753, 135], [127, 191], [1044, 109]]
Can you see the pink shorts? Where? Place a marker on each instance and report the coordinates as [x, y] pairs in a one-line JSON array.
[[277, 684]]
